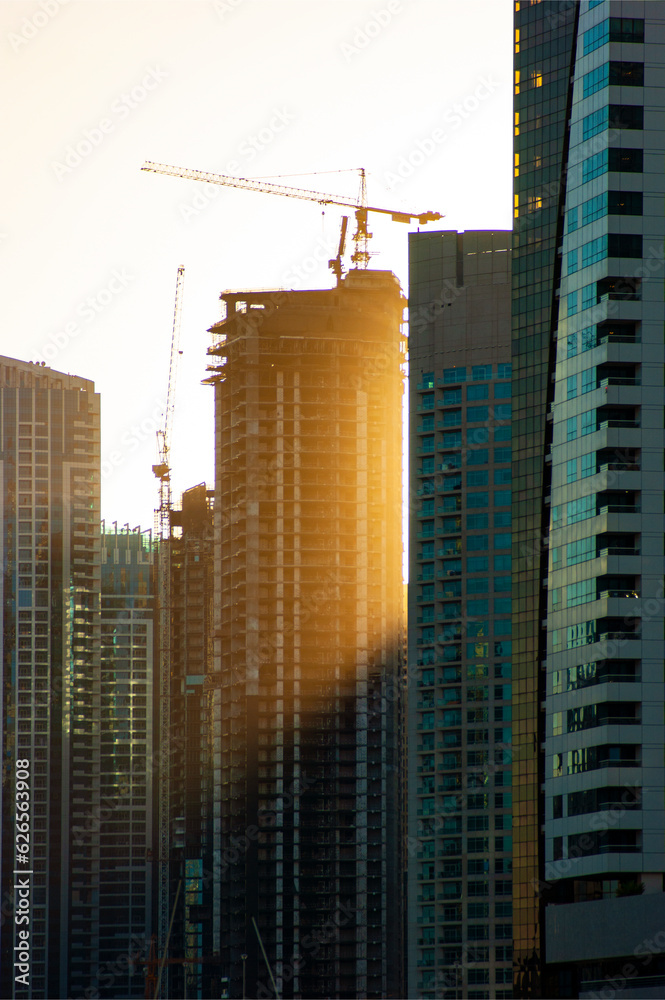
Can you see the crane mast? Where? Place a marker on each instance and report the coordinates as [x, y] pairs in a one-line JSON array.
[[360, 256], [162, 470]]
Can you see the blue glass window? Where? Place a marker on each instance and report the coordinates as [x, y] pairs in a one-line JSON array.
[[502, 498], [452, 418], [571, 470], [594, 251], [478, 607], [479, 478], [477, 564], [571, 428], [588, 422], [477, 543], [481, 372], [594, 208], [596, 36], [588, 464], [503, 605], [572, 261], [502, 455], [502, 390], [589, 295], [593, 124], [572, 219], [477, 521], [454, 375], [477, 585], [502, 519], [502, 434], [596, 80], [588, 380], [477, 456], [452, 439], [475, 392], [505, 370], [477, 414], [594, 165], [571, 386], [588, 338], [502, 562], [502, 541], [502, 477], [452, 396], [502, 411], [571, 344], [477, 499], [572, 303]]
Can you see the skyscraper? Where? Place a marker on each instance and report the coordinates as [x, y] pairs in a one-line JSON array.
[[308, 583], [190, 554], [459, 693], [588, 536], [50, 670], [124, 831]]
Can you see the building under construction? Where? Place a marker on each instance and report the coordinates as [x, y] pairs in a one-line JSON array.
[[307, 630]]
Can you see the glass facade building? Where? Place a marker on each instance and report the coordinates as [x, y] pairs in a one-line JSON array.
[[49, 464], [125, 829], [588, 361], [459, 843]]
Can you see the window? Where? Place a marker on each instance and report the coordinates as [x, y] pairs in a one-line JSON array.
[[475, 392], [588, 422], [427, 443], [593, 124], [571, 428], [502, 455], [452, 397], [504, 371], [588, 380], [502, 498], [481, 372], [477, 543], [502, 562], [579, 510], [581, 550], [572, 219], [571, 386], [502, 411], [476, 521], [502, 541], [588, 338], [572, 261], [452, 439], [628, 116], [588, 464], [594, 208], [625, 160], [624, 245], [571, 470], [454, 375], [503, 606], [479, 456], [479, 478], [427, 380], [595, 80], [580, 592], [572, 303], [624, 202], [477, 564], [502, 390], [502, 476], [594, 251], [589, 295], [477, 607], [572, 345], [477, 499], [477, 414], [626, 29], [502, 433], [626, 74], [479, 585], [502, 583], [452, 418]]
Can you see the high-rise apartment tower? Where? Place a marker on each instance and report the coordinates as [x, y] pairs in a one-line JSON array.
[[459, 691], [588, 365], [49, 462], [308, 571]]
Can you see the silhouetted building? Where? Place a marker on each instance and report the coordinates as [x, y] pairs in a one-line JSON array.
[[589, 357], [308, 611], [460, 646], [124, 831], [190, 759], [49, 463]]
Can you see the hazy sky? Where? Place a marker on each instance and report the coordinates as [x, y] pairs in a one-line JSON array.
[[416, 91]]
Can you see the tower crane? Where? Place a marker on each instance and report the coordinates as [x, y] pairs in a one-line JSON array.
[[162, 470], [360, 256]]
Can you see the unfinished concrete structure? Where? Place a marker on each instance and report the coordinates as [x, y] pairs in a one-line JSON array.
[[308, 605]]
